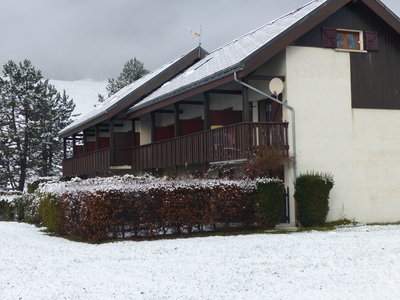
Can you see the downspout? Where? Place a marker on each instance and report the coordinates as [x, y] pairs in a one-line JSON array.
[[283, 103]]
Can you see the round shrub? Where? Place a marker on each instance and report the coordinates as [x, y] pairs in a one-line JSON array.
[[312, 196], [269, 195]]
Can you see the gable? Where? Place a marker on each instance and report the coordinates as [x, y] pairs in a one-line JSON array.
[[374, 74]]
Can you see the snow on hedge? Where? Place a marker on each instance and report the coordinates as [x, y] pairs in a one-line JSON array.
[[129, 183], [9, 196]]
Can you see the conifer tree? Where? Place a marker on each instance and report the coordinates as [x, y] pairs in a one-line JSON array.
[[133, 70], [31, 114]]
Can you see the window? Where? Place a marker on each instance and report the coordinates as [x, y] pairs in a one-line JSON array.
[[350, 40]]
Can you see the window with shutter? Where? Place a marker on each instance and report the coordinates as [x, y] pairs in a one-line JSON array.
[[349, 40]]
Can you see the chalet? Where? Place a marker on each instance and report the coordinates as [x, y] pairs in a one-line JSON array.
[[339, 110]]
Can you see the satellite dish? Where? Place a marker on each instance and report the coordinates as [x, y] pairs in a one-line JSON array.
[[276, 86]]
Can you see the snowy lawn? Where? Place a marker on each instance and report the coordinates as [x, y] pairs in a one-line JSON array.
[[351, 263]]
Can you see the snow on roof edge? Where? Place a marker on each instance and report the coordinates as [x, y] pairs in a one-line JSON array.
[[114, 99]]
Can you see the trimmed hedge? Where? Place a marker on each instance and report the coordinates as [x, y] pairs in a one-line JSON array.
[[312, 196], [269, 198], [146, 207], [51, 214], [6, 210]]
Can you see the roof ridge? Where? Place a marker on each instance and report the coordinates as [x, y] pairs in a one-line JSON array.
[[264, 25], [144, 78]]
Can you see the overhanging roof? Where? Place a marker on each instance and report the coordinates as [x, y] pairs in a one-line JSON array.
[[247, 52], [129, 95]]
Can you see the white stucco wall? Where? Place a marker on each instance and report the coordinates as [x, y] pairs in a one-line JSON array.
[[360, 147]]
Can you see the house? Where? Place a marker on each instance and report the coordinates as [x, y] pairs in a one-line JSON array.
[[339, 111]]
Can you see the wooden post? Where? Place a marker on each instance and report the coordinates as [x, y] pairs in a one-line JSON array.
[[153, 126], [65, 147], [177, 126], [84, 137], [133, 137], [246, 104], [112, 142], [74, 145], [96, 134], [206, 107]]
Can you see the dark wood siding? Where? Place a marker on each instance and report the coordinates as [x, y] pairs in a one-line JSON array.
[[375, 75]]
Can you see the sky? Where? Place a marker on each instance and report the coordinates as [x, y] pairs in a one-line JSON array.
[[92, 39]]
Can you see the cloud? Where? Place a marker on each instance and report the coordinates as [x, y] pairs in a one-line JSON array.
[[77, 39]]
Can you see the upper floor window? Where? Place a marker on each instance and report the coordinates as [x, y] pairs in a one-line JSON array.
[[350, 40]]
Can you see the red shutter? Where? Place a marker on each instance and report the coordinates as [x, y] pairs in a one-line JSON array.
[[329, 37], [371, 41]]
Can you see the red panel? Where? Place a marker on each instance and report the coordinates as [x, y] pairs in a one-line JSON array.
[[90, 146], [137, 138], [225, 117], [191, 126], [78, 150], [164, 133], [104, 142]]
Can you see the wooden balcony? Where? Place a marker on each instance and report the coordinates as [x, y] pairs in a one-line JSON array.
[[91, 164], [233, 142]]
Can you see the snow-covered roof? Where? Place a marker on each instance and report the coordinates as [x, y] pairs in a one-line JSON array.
[[230, 57], [122, 96]]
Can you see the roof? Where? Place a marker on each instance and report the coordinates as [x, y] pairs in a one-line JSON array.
[[242, 52], [230, 57], [130, 94]]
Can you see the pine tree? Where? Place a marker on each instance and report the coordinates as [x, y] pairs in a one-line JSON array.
[[133, 70], [31, 114]]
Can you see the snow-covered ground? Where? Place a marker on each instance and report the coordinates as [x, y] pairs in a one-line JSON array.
[[350, 263], [84, 92]]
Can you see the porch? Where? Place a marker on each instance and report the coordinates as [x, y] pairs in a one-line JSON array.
[[228, 143]]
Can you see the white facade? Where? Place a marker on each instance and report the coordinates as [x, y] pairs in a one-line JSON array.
[[359, 147]]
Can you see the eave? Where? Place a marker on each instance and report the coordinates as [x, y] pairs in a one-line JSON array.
[[133, 97]]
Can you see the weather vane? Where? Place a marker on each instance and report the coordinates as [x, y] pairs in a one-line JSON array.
[[197, 34]]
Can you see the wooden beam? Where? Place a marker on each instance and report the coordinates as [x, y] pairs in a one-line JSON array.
[[177, 127], [133, 140], [246, 104], [97, 138], [192, 102], [65, 147], [73, 145], [226, 92], [167, 111], [85, 145], [112, 142], [153, 126], [264, 77], [206, 108]]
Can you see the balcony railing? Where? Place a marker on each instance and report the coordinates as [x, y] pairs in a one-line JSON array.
[[233, 142], [91, 164]]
